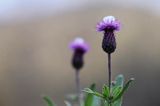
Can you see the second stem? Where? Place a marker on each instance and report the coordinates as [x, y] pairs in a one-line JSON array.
[[109, 71], [78, 87]]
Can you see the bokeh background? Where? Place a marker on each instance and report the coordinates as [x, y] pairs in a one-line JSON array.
[[35, 58]]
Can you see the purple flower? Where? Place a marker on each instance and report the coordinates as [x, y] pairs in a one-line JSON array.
[[79, 47], [108, 23]]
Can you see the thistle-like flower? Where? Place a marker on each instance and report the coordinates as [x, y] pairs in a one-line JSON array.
[[79, 47], [108, 25]]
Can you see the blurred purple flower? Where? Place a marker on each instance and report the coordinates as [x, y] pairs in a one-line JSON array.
[[79, 47], [108, 23]]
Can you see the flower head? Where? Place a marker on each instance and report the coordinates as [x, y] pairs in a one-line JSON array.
[[79, 47], [109, 23]]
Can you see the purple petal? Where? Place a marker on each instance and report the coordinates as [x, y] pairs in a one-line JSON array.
[[79, 43]]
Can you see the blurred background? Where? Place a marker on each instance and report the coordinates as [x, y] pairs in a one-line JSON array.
[[35, 58]]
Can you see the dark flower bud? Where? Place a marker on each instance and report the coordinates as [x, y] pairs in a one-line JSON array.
[[79, 48], [77, 59], [109, 42], [108, 25]]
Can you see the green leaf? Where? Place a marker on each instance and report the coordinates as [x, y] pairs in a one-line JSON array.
[[116, 90], [119, 80], [93, 87], [98, 94], [96, 101], [118, 102], [48, 100], [91, 99], [88, 90], [124, 89], [105, 91]]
